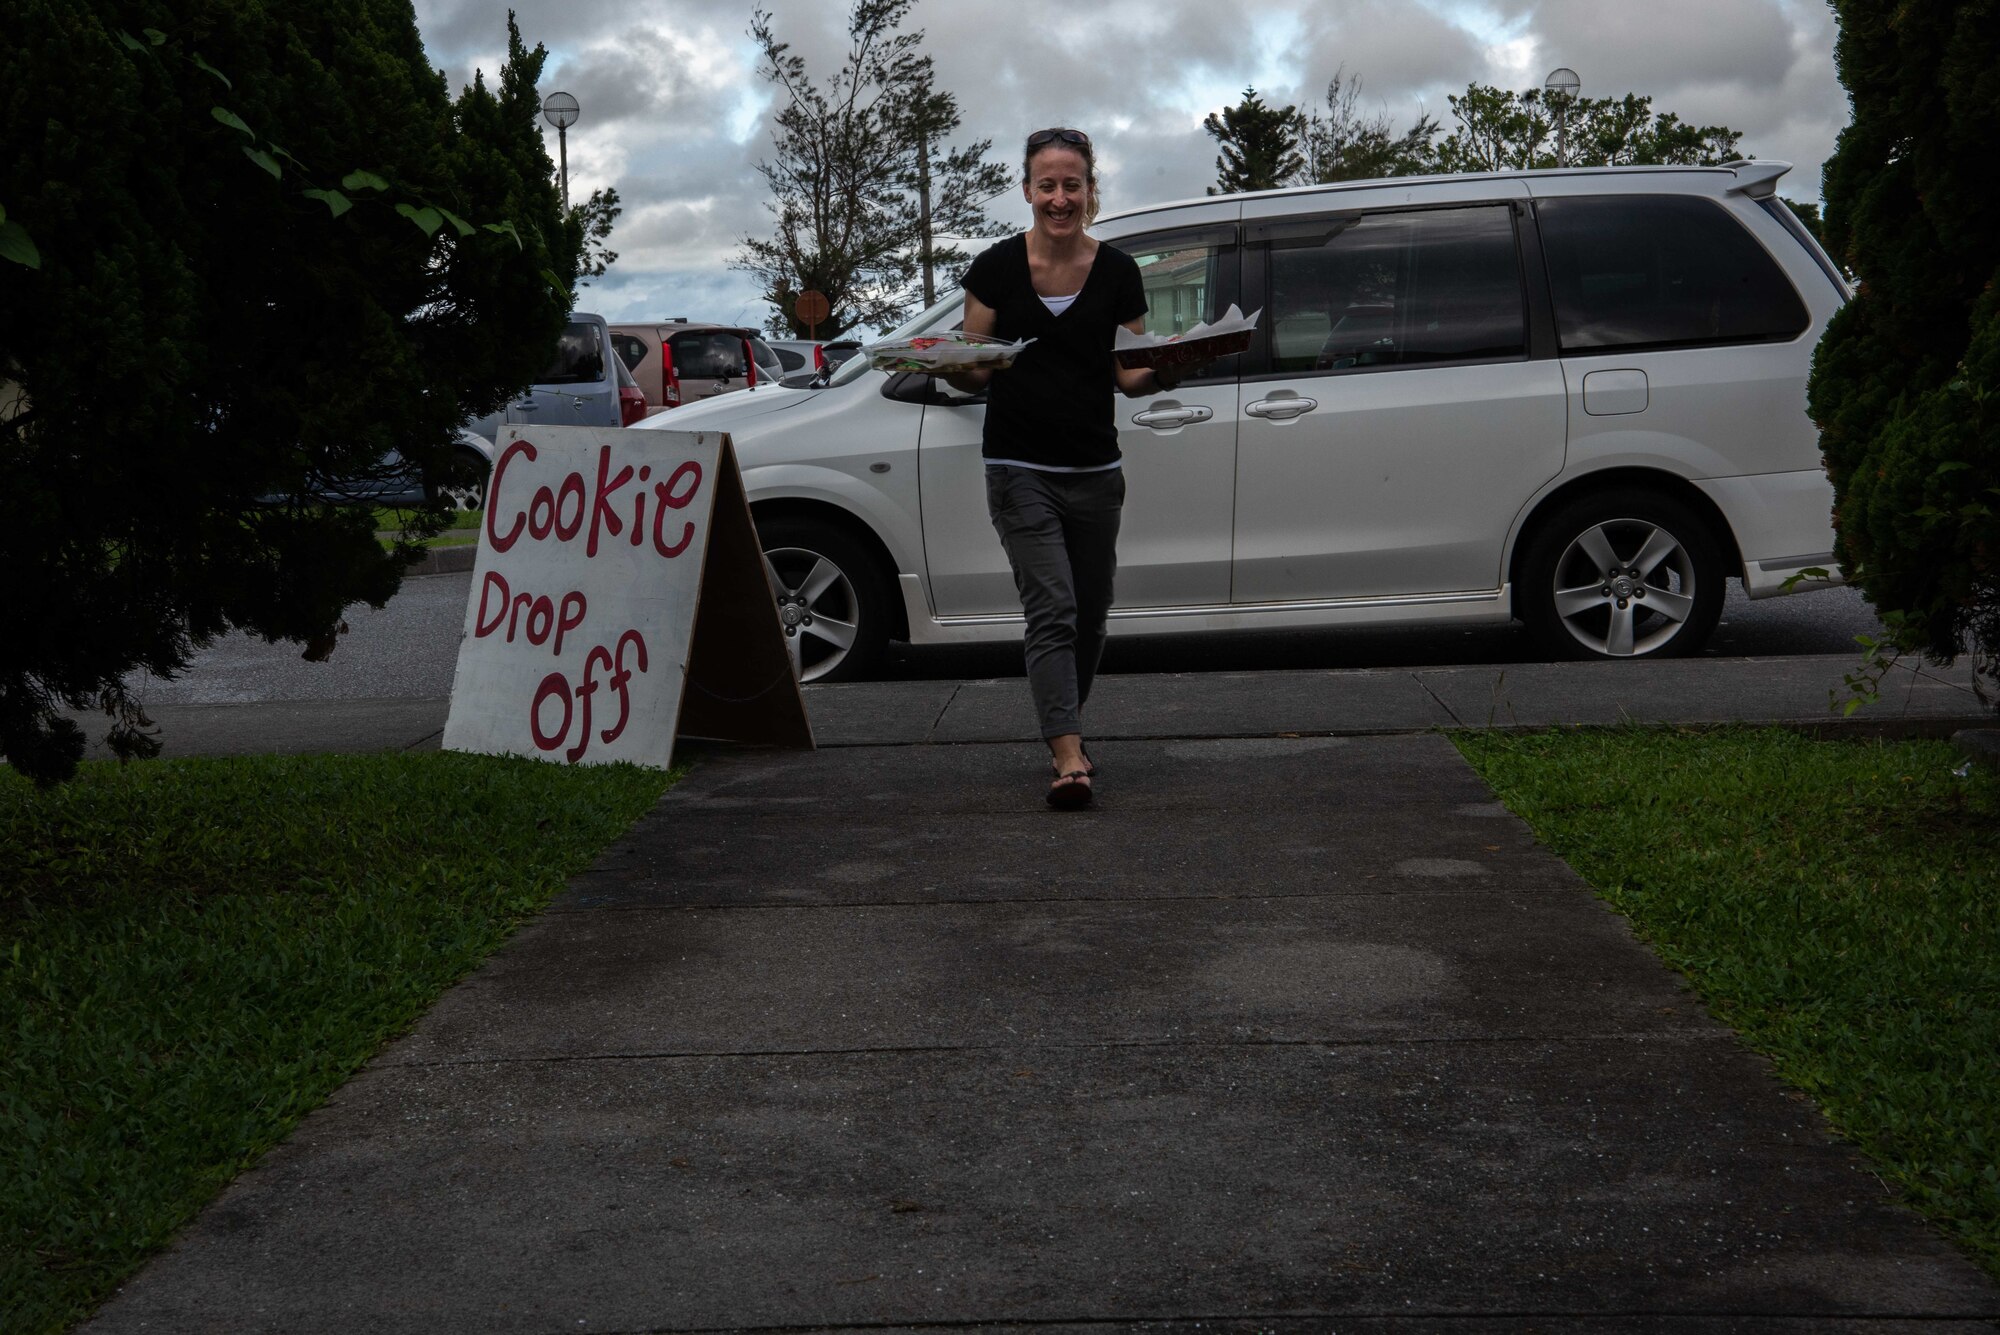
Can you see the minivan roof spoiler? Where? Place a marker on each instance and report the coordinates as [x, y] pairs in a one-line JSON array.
[[1757, 180]]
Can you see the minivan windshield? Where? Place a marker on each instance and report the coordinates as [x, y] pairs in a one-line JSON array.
[[944, 315]]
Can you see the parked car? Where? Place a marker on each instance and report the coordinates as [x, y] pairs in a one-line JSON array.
[[812, 370], [397, 484], [678, 362], [1575, 397], [585, 384], [799, 354]]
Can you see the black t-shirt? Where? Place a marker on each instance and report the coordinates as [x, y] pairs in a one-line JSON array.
[[1055, 405]]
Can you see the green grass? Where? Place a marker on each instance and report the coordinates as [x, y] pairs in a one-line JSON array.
[[1837, 902], [195, 953], [462, 532], [462, 521]]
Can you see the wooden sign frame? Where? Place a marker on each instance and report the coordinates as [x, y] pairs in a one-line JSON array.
[[619, 602]]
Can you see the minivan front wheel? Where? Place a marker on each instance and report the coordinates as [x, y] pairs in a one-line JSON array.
[[831, 599], [466, 488], [1622, 574]]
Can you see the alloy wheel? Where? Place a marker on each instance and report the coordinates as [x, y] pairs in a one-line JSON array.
[[1625, 587], [817, 607]]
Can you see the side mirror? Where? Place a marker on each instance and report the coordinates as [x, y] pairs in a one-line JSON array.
[[916, 387]]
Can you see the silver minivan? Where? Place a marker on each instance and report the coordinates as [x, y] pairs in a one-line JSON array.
[[1573, 397], [584, 384]]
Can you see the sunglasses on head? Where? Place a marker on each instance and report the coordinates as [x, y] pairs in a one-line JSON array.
[[1040, 137]]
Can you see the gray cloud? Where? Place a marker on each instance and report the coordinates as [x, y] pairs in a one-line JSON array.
[[1657, 49], [1403, 54], [676, 118], [637, 75]]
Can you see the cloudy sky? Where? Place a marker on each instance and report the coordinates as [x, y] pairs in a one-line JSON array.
[[675, 116]]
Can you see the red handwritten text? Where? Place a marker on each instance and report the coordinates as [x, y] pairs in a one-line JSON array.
[[575, 506], [576, 700], [538, 617]]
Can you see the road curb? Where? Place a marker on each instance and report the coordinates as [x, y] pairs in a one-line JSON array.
[[445, 561]]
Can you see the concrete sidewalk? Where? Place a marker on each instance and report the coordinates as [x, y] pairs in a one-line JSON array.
[[1289, 1033], [1795, 691]]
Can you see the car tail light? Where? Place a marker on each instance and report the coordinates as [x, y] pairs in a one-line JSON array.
[[819, 358], [631, 404], [750, 366], [670, 379]]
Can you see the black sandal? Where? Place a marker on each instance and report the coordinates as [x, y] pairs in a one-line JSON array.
[[1089, 770], [1071, 791]]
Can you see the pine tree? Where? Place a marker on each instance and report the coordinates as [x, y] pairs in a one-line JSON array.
[[846, 181], [1501, 130], [266, 249], [1906, 382], [594, 218], [1345, 145], [1260, 146]]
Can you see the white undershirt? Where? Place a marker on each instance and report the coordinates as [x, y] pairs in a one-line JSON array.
[[1056, 305]]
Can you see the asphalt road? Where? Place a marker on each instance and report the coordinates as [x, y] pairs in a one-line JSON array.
[[408, 649]]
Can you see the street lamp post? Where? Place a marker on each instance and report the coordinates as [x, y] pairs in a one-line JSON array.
[[561, 111], [1561, 86]]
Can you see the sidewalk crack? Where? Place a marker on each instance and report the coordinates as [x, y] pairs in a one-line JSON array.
[[1450, 713], [930, 733]]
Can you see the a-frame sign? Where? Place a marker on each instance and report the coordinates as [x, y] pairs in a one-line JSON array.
[[619, 601]]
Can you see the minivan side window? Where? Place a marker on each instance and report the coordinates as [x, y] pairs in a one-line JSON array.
[[631, 350], [1189, 277], [578, 360], [1376, 290], [1661, 271]]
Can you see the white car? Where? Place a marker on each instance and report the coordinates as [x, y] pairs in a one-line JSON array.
[[1576, 397]]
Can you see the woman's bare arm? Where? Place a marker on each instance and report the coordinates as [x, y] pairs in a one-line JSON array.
[[1136, 382]]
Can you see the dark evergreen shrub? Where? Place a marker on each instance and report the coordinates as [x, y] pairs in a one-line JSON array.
[[1906, 384], [201, 342]]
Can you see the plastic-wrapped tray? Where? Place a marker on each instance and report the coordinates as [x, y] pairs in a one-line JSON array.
[[938, 354]]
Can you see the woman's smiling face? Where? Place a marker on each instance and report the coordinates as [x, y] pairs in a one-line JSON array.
[[1058, 189]]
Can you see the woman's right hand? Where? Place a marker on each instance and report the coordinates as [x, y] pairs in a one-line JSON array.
[[970, 380], [978, 318]]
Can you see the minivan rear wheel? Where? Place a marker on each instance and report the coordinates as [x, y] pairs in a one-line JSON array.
[[832, 598], [1622, 574]]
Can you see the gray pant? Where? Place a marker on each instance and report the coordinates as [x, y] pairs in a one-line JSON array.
[[1061, 535]]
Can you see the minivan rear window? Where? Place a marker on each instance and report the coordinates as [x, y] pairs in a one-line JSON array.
[[578, 360], [1661, 271], [708, 356]]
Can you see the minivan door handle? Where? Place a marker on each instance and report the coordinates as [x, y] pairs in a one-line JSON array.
[[1165, 419], [1282, 406]]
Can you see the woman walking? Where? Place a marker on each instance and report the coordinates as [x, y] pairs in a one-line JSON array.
[[1054, 487]]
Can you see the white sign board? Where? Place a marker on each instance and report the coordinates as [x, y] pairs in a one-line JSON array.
[[618, 599]]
